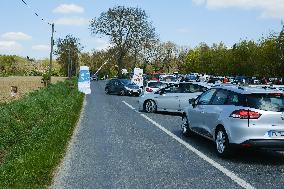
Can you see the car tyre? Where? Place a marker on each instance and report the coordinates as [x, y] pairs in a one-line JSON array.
[[150, 106], [185, 127], [106, 90], [122, 92], [223, 148]]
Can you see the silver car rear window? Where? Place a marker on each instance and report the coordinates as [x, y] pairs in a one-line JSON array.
[[268, 102]]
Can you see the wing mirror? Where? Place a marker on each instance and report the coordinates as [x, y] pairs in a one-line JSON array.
[[161, 91], [192, 101]]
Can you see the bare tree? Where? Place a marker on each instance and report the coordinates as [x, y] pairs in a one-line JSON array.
[[128, 30]]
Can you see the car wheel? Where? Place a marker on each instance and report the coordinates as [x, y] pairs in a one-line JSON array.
[[122, 92], [150, 106], [106, 90], [222, 143], [185, 127]]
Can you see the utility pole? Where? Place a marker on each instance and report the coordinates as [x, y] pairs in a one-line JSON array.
[[51, 52], [71, 66], [69, 62]]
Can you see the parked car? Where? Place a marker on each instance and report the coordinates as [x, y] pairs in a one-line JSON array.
[[173, 98], [94, 77], [168, 78], [237, 116], [240, 80], [153, 86], [191, 77], [122, 87]]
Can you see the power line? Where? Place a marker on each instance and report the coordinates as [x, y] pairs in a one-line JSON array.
[[35, 13], [51, 42]]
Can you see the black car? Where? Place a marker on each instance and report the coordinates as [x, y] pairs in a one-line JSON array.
[[94, 77], [122, 87]]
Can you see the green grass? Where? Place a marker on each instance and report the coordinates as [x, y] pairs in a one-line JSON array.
[[34, 132]]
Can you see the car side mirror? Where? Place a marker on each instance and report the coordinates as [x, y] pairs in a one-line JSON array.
[[192, 101], [162, 91]]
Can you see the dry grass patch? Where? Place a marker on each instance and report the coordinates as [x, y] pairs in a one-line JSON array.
[[25, 84]]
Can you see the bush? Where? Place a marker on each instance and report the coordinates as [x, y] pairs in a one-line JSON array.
[[34, 134], [45, 79]]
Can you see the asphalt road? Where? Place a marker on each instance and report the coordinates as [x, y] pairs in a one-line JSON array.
[[116, 146]]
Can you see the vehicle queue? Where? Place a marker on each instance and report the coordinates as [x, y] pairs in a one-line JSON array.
[[234, 113]]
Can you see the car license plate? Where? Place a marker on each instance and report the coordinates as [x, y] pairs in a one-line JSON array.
[[276, 134]]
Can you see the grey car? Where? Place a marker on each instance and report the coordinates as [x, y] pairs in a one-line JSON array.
[[173, 98], [122, 87], [237, 116]]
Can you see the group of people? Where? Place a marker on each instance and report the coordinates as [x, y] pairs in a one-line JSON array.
[[276, 81]]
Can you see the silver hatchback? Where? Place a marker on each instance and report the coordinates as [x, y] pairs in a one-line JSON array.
[[242, 116], [173, 98]]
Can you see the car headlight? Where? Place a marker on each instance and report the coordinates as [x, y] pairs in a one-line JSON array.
[[127, 88]]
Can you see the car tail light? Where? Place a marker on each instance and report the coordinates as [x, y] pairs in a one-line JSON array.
[[246, 145], [245, 114], [149, 89], [276, 94]]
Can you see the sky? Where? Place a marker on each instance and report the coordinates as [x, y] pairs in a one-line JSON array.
[[184, 22]]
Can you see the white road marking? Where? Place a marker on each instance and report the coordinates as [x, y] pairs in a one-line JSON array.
[[227, 172], [128, 105]]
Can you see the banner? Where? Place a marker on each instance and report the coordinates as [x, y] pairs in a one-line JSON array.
[[84, 80], [138, 77]]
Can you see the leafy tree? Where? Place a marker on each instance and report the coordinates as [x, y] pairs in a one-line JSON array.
[[42, 66], [169, 54], [128, 29], [6, 64], [247, 57], [68, 50], [280, 53]]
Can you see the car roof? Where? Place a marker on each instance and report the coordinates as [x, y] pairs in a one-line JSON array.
[[153, 81], [203, 84], [247, 89]]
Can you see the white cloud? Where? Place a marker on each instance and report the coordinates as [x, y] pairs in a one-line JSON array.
[[72, 21], [183, 30], [101, 44], [68, 8], [269, 8], [10, 47], [41, 47], [14, 36], [199, 2]]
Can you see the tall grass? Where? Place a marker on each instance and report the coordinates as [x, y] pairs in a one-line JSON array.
[[34, 132]]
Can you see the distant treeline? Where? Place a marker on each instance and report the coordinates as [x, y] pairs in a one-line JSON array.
[[249, 58], [264, 58]]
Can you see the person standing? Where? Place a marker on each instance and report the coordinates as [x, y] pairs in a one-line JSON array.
[[225, 80]]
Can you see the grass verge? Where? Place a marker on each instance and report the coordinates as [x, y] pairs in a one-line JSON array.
[[34, 132]]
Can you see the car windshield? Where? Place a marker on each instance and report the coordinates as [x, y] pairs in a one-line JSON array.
[[191, 77], [156, 84], [126, 82], [168, 79], [268, 102]]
